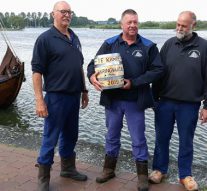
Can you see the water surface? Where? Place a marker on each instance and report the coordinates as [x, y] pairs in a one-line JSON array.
[[21, 115]]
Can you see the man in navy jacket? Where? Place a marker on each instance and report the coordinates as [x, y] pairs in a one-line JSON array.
[[142, 65], [57, 57]]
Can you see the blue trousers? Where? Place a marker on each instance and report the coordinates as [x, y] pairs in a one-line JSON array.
[[186, 116], [61, 124], [136, 124]]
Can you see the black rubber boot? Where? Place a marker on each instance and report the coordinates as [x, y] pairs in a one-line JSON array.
[[68, 169], [108, 169], [43, 177], [142, 174]]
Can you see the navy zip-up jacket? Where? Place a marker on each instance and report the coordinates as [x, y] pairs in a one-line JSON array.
[[59, 60], [142, 65]]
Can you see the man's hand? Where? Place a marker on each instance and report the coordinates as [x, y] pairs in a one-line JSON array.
[[203, 116], [84, 100], [127, 84], [95, 82], [41, 108]]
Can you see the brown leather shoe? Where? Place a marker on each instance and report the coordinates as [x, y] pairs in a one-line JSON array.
[[156, 177], [189, 183]]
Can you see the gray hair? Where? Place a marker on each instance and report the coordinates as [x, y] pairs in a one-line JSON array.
[[191, 14], [57, 3], [128, 11]]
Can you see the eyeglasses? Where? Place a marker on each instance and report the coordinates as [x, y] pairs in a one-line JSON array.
[[65, 12]]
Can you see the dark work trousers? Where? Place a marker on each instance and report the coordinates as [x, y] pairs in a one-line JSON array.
[[61, 124], [186, 116], [136, 124]]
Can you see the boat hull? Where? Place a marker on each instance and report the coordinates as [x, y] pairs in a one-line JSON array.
[[10, 81]]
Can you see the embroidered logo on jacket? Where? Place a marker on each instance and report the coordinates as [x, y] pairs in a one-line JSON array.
[[79, 47], [137, 53], [194, 54]]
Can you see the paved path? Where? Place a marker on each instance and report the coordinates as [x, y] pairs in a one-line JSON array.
[[17, 173]]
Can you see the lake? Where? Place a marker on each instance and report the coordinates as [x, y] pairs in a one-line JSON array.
[[21, 115]]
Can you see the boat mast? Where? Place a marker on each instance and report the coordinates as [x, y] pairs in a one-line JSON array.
[[5, 37]]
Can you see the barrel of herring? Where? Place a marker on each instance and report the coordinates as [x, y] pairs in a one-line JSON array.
[[110, 68]]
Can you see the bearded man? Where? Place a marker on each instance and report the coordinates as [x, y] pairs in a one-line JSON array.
[[178, 95]]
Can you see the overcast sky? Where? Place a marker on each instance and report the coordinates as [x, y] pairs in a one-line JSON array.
[[153, 10]]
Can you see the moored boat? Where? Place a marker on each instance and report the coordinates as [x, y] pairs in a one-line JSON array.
[[11, 75]]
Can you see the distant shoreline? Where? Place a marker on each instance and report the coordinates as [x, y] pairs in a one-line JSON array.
[[38, 19], [171, 25], [99, 27]]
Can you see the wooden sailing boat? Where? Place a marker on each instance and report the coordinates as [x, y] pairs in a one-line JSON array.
[[11, 74]]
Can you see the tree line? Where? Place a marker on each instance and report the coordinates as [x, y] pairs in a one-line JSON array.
[[33, 19]]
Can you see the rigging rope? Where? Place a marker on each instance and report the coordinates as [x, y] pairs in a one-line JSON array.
[[5, 37]]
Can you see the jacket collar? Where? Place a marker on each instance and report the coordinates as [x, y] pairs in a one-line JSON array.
[[120, 39], [193, 41], [58, 34]]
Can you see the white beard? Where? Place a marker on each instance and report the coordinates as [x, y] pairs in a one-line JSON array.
[[183, 36], [180, 36]]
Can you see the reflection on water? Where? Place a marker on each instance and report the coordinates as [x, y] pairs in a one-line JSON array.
[[92, 125]]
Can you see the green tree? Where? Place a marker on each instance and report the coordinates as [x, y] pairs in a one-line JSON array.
[[18, 22], [39, 16], [34, 19], [168, 25], [201, 25], [2, 19], [149, 24], [6, 20], [24, 16], [111, 21], [45, 20], [28, 19]]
